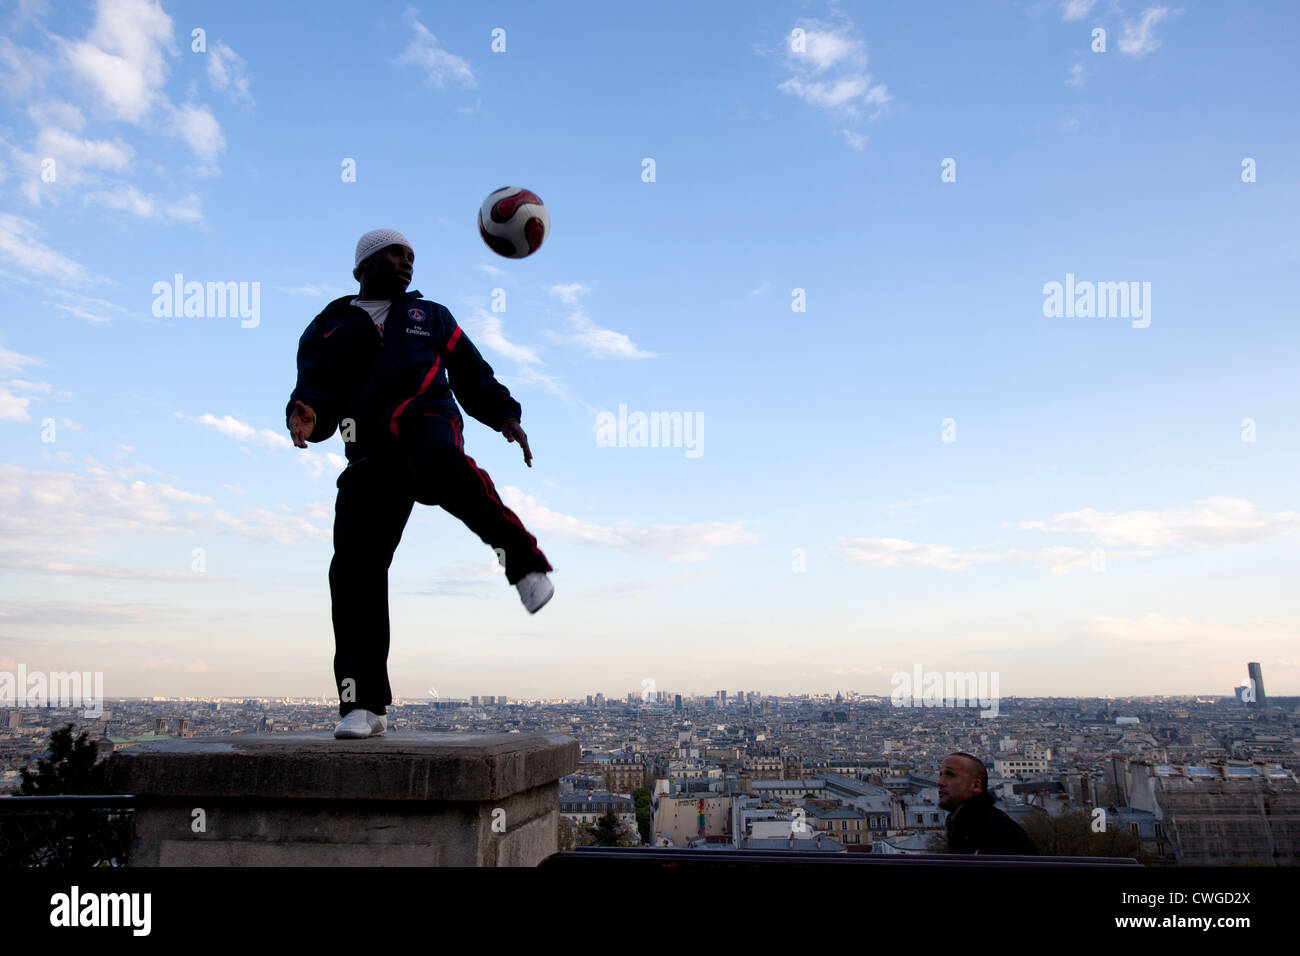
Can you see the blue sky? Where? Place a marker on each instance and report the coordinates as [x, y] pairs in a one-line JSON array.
[[918, 467]]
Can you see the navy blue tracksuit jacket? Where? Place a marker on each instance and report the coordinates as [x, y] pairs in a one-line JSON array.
[[346, 370]]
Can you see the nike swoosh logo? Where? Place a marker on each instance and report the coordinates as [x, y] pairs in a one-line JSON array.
[[331, 331]]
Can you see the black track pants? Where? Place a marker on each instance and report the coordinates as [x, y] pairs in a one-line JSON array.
[[375, 497]]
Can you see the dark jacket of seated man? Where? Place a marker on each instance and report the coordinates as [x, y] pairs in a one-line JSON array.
[[977, 826]]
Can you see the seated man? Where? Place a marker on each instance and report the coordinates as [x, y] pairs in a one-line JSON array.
[[974, 825]]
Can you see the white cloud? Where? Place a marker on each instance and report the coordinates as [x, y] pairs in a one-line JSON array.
[[123, 62], [440, 67], [312, 462], [14, 361], [828, 95], [897, 553], [87, 615], [83, 306], [13, 408], [129, 199], [824, 49], [571, 293], [856, 140], [1216, 521], [316, 509], [57, 113], [120, 469], [200, 130], [241, 431], [29, 386], [494, 271], [72, 161], [72, 153], [259, 525], [1076, 9], [315, 291], [1074, 76], [1151, 628], [489, 333], [831, 72], [185, 209], [19, 245], [48, 516], [228, 72], [123, 57], [1138, 39], [1198, 638], [123, 197], [49, 564], [466, 579], [598, 342], [689, 542], [23, 71], [552, 384], [48, 508]]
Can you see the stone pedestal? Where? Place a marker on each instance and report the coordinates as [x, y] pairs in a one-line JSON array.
[[405, 799]]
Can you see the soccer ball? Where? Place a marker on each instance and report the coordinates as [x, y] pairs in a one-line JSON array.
[[513, 221]]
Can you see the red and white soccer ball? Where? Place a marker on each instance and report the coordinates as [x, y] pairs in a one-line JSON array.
[[513, 221]]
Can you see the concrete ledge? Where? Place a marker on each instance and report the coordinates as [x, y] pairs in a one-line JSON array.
[[404, 799]]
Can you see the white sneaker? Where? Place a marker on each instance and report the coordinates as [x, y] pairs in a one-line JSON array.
[[361, 723], [535, 590]]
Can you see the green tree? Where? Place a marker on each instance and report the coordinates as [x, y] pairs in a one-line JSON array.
[[80, 837], [609, 831], [72, 766], [641, 800], [1070, 834], [564, 835]]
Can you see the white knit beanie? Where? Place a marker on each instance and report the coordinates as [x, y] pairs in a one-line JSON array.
[[375, 240]]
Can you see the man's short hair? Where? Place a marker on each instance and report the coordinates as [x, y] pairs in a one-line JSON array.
[[980, 770]]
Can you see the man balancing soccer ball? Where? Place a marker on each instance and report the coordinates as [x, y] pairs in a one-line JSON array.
[[376, 367]]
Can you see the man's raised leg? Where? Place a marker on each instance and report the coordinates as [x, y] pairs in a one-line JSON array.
[[443, 474]]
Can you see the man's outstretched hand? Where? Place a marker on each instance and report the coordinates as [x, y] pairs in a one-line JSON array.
[[513, 432], [302, 423]]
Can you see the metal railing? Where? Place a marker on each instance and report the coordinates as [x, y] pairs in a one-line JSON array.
[[70, 830], [686, 856]]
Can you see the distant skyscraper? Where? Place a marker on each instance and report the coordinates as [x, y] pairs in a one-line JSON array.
[[677, 704], [1257, 678], [722, 698]]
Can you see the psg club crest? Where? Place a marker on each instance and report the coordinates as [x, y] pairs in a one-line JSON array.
[[416, 314]]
